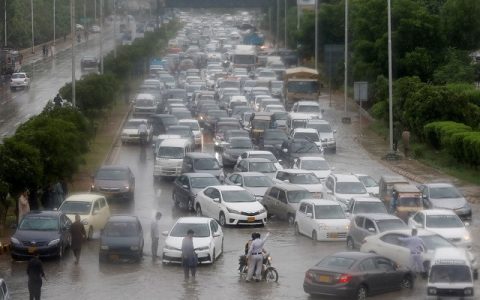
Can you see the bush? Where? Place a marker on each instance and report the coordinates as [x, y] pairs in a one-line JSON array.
[[380, 110], [437, 134]]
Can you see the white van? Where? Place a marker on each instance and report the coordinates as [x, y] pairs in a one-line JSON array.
[[451, 275], [144, 104], [169, 157]]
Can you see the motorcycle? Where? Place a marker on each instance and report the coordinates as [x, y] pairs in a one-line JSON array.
[[143, 138], [269, 273]]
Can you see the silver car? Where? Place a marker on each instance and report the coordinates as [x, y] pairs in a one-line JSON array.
[[255, 182], [282, 200]]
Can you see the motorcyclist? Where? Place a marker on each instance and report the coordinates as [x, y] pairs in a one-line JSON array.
[[57, 100], [143, 131]]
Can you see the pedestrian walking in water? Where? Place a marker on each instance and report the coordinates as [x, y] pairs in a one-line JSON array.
[[35, 275], [23, 205], [77, 231], [189, 257], [155, 234], [255, 257], [416, 247]]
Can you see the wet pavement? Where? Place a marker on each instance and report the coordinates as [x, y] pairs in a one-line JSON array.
[[292, 255]]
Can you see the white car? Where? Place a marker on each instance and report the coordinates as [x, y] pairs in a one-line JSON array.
[[322, 220], [444, 222], [19, 80], [195, 127], [261, 165], [255, 182], [260, 154], [207, 240], [303, 178], [130, 131], [309, 134], [230, 205], [311, 108], [370, 184], [316, 164], [365, 205], [389, 245], [343, 188], [92, 208]]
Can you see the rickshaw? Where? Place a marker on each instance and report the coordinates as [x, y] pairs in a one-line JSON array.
[[258, 123], [386, 184], [406, 200]]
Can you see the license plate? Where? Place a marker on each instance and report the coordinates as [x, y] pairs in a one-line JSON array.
[[251, 219], [324, 278], [333, 235], [32, 249], [114, 257]]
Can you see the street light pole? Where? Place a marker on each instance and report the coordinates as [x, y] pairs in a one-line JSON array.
[[54, 17], [285, 27], [346, 57], [114, 29], [72, 24], [5, 18], [101, 36], [33, 34], [316, 34], [95, 11], [390, 87], [278, 25]]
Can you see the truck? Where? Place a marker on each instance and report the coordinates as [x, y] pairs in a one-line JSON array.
[[300, 83], [245, 56]]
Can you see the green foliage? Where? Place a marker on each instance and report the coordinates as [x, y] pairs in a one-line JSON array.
[[380, 110], [437, 134], [461, 24], [457, 68]]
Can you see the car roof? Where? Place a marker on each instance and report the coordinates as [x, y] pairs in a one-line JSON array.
[[305, 130], [311, 158], [191, 175], [450, 256], [84, 197], [366, 199], [308, 102], [257, 159], [239, 138], [431, 212], [296, 171], [378, 216], [250, 152], [137, 120], [44, 213], [228, 187], [346, 177], [145, 96], [122, 218], [178, 127], [114, 167], [194, 220], [317, 121], [320, 202], [174, 143], [187, 121], [249, 174], [289, 187], [199, 155]]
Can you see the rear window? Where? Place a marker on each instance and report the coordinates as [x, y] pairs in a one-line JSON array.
[[336, 262]]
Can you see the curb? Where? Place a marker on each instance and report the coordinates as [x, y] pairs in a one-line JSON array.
[[117, 135]]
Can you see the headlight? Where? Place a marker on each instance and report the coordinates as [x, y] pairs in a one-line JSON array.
[[432, 291], [466, 237], [171, 248], [134, 248], [104, 247], [468, 291], [262, 210], [126, 187], [322, 226], [92, 187], [202, 248], [14, 240], [269, 258], [54, 242], [258, 197], [233, 211], [85, 222]]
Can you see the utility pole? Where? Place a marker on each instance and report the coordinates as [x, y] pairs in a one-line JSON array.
[[95, 11], [158, 15], [346, 57], [33, 33], [101, 36], [277, 36], [5, 18], [72, 24], [285, 29], [54, 17], [316, 34], [390, 77], [114, 29]]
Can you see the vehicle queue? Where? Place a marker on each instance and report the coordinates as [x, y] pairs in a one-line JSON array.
[[267, 161]]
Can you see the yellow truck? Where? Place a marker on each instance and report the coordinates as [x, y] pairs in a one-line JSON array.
[[301, 83]]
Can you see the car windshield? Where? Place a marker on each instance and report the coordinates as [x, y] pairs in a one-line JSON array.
[[227, 127], [450, 273], [262, 167], [335, 262], [368, 181], [257, 181], [433, 242], [390, 224], [310, 136], [203, 182], [280, 115], [369, 207], [308, 108], [217, 113], [199, 230], [305, 147], [409, 201], [206, 164], [120, 229], [144, 102], [183, 132], [320, 127], [167, 121], [237, 196], [192, 125], [76, 207], [297, 196], [444, 221], [303, 178], [240, 144], [274, 135], [329, 212], [17, 76], [315, 165], [444, 193], [38, 223], [111, 174], [268, 156], [132, 124], [350, 188], [170, 152]]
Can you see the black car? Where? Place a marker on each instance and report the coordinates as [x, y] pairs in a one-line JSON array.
[[114, 182], [212, 117], [272, 140], [186, 187], [44, 232], [89, 62], [295, 148], [122, 238], [355, 275], [160, 123], [234, 148]]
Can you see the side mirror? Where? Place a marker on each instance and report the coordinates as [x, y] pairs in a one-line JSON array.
[[185, 186], [285, 150], [165, 233], [309, 215], [371, 229], [467, 224], [216, 200], [216, 234], [95, 212], [330, 192]]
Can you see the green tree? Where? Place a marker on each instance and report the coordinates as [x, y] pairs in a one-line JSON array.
[[461, 23]]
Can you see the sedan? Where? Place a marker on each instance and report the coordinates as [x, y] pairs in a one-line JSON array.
[[114, 182], [187, 186], [19, 80], [303, 178], [236, 146], [122, 238], [355, 275], [130, 132], [207, 240], [445, 195], [316, 164], [254, 182], [261, 165], [44, 232]]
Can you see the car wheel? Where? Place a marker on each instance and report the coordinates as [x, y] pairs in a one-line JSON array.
[[314, 236], [198, 210], [291, 219], [190, 205], [175, 201], [222, 220], [350, 244], [407, 282], [297, 230], [268, 214], [361, 293], [60, 251], [213, 256], [90, 233]]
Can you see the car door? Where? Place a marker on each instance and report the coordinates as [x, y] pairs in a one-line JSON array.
[[390, 246], [184, 188], [329, 187], [356, 230], [368, 229], [308, 220], [371, 274], [388, 279], [215, 207], [96, 214], [282, 205], [351, 207], [105, 212], [216, 236], [300, 217], [272, 199], [425, 196]]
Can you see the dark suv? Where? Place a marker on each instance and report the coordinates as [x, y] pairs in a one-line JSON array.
[[114, 182], [295, 148]]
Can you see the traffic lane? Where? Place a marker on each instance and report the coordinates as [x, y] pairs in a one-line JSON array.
[[47, 77]]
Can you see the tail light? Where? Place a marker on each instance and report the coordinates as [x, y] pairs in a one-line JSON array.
[[344, 278]]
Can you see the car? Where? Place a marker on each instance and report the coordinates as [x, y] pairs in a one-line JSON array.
[[255, 182], [160, 138], [272, 140], [303, 178], [445, 195], [95, 29], [4, 292], [389, 245], [293, 149], [130, 132], [316, 164], [19, 80], [114, 182], [187, 186], [122, 238], [327, 134], [195, 127], [46, 233], [221, 127], [207, 239], [235, 147], [184, 131], [311, 108], [88, 62], [230, 205], [161, 122], [200, 162], [343, 187], [365, 205], [367, 224], [92, 208], [370, 184], [309, 134], [262, 165], [355, 275], [219, 145], [144, 105], [443, 222], [169, 157], [261, 154], [322, 220]]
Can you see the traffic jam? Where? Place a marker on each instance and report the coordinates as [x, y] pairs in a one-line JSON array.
[[239, 147]]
